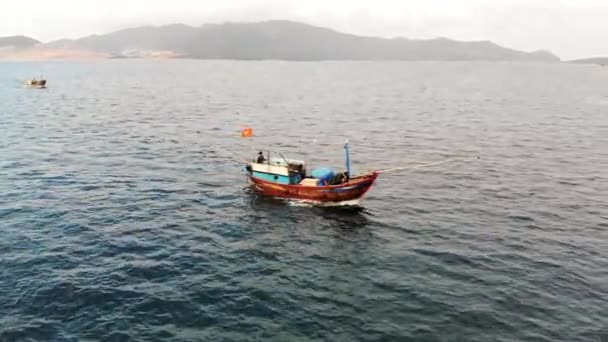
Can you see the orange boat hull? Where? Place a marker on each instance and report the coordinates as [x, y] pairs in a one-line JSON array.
[[352, 190]]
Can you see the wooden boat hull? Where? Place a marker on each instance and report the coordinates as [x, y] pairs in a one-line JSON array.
[[348, 193]]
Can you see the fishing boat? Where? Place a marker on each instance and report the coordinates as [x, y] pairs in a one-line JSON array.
[[35, 83], [289, 179]]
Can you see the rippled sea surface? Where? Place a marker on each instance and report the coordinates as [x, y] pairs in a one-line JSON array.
[[124, 214]]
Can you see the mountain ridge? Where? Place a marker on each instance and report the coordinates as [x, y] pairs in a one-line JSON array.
[[277, 39]]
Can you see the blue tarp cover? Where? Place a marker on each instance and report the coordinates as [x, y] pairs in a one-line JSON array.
[[323, 173]]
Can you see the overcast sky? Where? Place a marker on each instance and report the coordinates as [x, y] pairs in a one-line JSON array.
[[569, 28]]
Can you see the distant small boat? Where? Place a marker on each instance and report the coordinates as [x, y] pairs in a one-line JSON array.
[[288, 179], [35, 83]]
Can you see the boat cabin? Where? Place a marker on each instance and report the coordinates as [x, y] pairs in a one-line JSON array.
[[279, 170]]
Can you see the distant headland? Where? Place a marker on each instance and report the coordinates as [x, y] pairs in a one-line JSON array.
[[596, 60]]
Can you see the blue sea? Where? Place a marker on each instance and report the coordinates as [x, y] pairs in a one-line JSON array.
[[125, 214]]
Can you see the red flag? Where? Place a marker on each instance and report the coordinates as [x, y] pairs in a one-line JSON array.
[[247, 132]]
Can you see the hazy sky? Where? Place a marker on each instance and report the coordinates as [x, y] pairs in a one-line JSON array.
[[570, 28]]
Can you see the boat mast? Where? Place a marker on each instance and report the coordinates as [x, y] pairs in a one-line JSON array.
[[347, 158]]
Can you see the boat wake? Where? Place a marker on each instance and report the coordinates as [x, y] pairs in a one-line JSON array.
[[307, 203]]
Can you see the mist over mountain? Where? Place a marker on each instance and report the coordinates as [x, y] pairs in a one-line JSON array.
[[284, 40]]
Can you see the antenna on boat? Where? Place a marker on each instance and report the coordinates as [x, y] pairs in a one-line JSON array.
[[346, 149], [284, 159]]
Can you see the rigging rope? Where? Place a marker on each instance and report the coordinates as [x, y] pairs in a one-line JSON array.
[[420, 166]]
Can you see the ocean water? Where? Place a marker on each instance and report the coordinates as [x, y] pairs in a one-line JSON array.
[[124, 214]]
